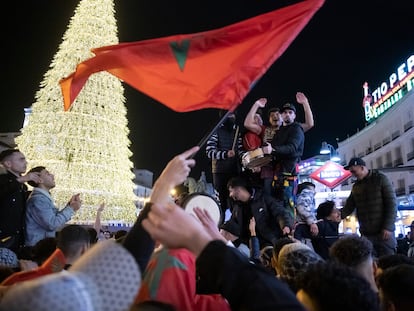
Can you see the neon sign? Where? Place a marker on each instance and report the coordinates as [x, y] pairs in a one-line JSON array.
[[389, 92]]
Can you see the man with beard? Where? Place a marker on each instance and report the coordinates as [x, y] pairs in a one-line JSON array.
[[286, 149], [224, 149]]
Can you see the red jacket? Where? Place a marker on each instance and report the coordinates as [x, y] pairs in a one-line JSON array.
[[170, 277]]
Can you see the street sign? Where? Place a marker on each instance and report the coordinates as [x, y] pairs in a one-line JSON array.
[[331, 174]]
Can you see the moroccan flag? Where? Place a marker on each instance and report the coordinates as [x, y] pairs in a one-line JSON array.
[[212, 69]]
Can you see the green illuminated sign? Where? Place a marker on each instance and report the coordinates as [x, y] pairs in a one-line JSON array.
[[389, 92]]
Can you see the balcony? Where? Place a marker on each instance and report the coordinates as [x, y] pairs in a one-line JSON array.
[[377, 146], [386, 140], [368, 150], [411, 188], [398, 162], [408, 125], [410, 155], [388, 165], [395, 135]]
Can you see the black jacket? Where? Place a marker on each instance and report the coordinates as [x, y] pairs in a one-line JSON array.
[[270, 216], [13, 196], [224, 270], [375, 203], [287, 145]]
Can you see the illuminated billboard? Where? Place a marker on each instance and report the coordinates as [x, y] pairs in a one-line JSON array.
[[390, 91]]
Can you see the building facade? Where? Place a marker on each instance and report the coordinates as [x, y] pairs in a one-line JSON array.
[[387, 142]]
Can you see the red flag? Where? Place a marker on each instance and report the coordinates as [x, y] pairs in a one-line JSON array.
[[212, 69]]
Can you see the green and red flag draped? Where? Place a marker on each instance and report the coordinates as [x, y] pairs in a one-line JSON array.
[[212, 69]]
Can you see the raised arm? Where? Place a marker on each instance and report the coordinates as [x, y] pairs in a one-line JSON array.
[[250, 122], [138, 242], [97, 225], [303, 100], [174, 174]]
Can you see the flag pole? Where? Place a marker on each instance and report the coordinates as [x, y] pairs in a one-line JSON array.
[[203, 141]]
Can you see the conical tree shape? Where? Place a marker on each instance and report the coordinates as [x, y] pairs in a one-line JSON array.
[[87, 148]]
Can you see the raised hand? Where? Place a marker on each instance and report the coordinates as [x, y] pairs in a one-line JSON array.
[[261, 102], [75, 202], [101, 207], [301, 98], [174, 174]]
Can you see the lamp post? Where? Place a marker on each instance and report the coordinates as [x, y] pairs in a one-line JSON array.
[[329, 149]]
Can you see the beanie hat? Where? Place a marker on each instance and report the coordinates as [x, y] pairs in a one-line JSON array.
[[106, 278], [8, 258], [295, 258]]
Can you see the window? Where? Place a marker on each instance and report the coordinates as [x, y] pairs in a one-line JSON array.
[[388, 159], [379, 162]]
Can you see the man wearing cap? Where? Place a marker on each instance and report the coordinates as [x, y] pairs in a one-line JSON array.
[[373, 198], [286, 149]]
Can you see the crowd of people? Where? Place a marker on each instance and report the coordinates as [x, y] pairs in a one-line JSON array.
[[275, 251]]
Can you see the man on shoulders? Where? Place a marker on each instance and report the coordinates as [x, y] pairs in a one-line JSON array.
[[286, 149], [266, 133]]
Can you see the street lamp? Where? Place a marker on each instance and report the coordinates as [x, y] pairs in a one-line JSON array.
[[329, 149]]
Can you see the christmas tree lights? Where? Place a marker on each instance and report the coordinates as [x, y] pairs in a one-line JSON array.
[[87, 148]]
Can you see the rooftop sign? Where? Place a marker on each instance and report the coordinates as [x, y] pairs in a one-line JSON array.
[[390, 91]]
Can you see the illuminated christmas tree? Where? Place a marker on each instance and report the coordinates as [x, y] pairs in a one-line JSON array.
[[87, 148]]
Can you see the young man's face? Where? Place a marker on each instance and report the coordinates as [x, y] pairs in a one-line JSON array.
[[16, 163], [335, 215], [275, 119], [239, 194], [47, 179], [288, 116], [357, 171]]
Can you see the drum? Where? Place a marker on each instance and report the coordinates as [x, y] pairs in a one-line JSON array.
[[204, 201], [255, 158]]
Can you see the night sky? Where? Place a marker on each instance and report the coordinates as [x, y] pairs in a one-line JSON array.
[[346, 43]]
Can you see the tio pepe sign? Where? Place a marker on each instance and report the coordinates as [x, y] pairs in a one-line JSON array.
[[390, 91]]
